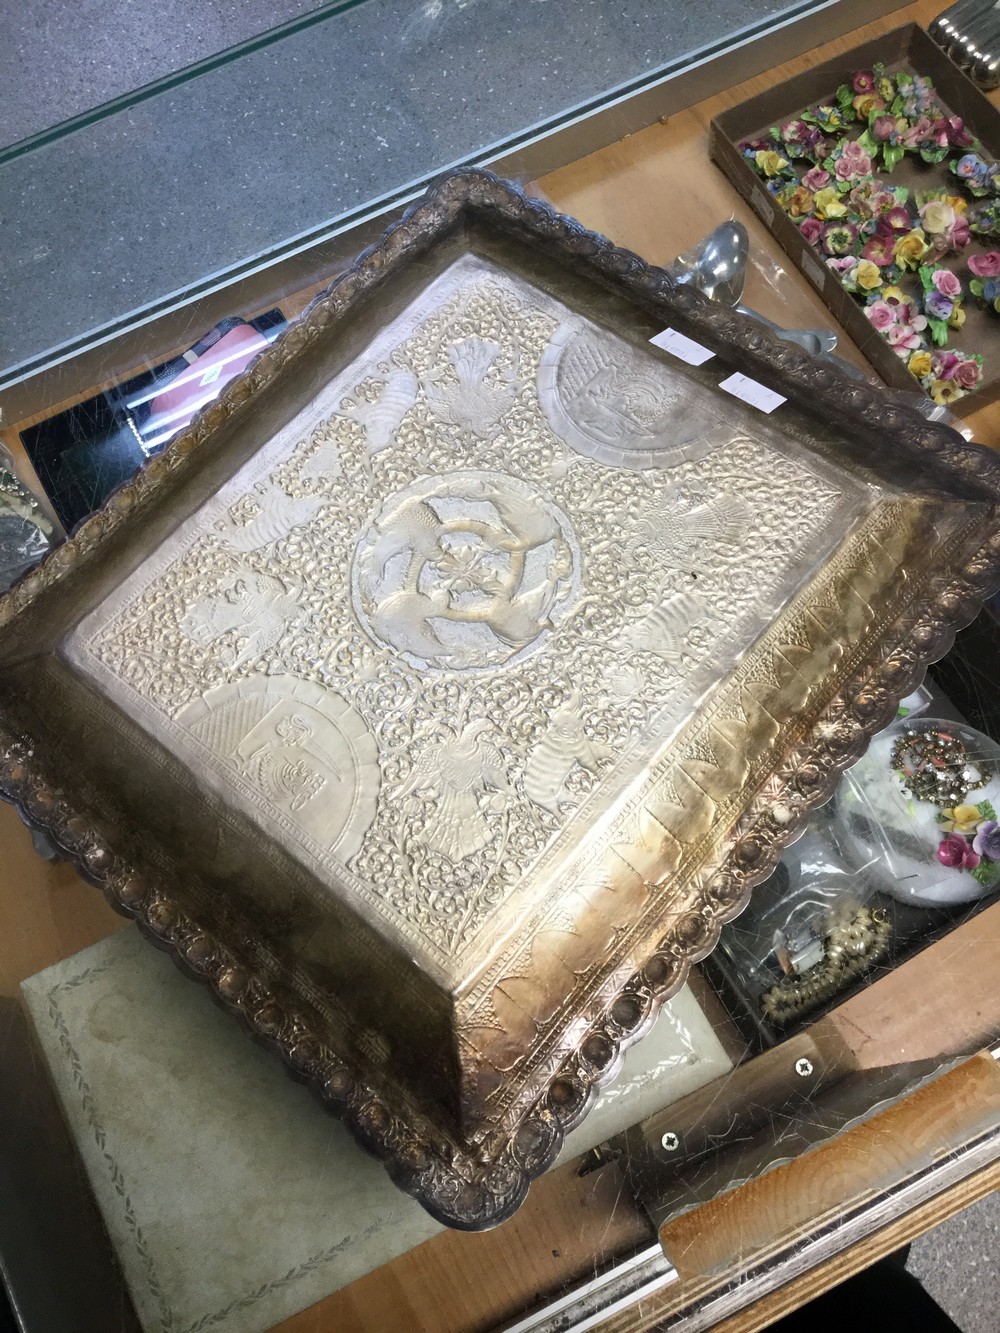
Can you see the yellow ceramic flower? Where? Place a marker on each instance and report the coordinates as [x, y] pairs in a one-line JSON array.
[[786, 194], [892, 294], [800, 202], [864, 104], [867, 276], [910, 249], [956, 202], [957, 318], [827, 203], [944, 391], [961, 819], [937, 216], [919, 364], [770, 162], [886, 90]]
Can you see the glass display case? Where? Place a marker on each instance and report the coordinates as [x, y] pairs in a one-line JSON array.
[[718, 1182]]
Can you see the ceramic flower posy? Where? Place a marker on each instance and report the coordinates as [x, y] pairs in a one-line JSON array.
[[985, 282], [942, 302], [971, 841]]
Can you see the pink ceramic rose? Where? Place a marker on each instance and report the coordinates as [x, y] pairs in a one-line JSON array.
[[850, 167], [854, 161], [816, 179], [880, 315], [954, 852], [958, 135], [985, 266], [904, 338], [967, 374], [811, 230], [940, 132], [946, 283], [907, 312], [919, 132], [880, 201], [951, 850]]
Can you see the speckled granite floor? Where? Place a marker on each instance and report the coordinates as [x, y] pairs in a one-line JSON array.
[[52, 69], [365, 99], [958, 1263]]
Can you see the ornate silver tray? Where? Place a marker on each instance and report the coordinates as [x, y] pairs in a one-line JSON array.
[[440, 692]]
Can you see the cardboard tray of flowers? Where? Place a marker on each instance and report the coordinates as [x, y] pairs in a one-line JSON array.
[[877, 173]]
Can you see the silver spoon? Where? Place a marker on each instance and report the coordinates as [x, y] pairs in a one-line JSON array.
[[976, 37], [985, 70], [717, 266], [962, 28], [978, 46]]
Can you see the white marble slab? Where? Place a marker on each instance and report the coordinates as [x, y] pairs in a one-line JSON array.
[[232, 1199]]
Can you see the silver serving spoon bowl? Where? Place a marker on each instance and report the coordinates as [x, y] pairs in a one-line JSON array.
[[717, 266]]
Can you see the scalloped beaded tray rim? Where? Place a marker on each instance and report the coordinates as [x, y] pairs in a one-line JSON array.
[[458, 1189]]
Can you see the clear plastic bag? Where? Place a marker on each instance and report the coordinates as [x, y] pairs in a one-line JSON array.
[[878, 870], [810, 930], [938, 852]]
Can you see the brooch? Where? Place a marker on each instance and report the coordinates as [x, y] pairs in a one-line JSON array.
[[935, 767]]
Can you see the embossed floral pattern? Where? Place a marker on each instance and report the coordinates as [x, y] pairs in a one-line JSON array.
[[449, 837]]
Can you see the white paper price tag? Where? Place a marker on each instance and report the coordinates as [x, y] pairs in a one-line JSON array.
[[757, 395], [762, 205], [813, 270], [685, 349]]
